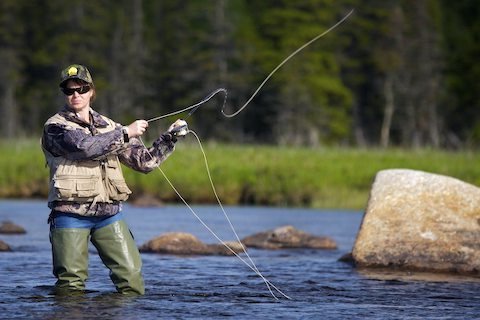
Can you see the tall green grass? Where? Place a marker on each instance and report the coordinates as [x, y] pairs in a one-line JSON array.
[[22, 169], [260, 175]]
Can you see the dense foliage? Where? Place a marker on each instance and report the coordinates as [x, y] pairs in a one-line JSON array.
[[397, 72]]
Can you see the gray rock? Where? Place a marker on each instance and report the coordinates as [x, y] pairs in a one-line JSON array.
[[181, 243], [221, 250], [8, 227], [287, 237], [420, 221], [4, 246]]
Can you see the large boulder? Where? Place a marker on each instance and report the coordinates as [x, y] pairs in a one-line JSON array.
[[181, 243], [287, 237], [8, 227], [420, 221], [4, 246]]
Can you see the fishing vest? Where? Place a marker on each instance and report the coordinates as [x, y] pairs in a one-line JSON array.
[[85, 181]]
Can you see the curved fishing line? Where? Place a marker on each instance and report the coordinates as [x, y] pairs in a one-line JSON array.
[[194, 107], [253, 267], [285, 61]]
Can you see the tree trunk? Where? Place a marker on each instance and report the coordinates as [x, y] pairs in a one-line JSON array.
[[388, 111], [8, 102], [9, 116]]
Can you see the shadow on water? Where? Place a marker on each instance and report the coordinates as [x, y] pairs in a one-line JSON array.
[[409, 276], [41, 302], [44, 303]]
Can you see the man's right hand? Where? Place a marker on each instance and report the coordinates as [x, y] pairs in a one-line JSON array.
[[137, 128]]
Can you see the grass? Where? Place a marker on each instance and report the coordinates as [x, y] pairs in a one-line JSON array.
[[246, 174]]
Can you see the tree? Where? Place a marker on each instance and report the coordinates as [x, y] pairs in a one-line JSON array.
[[397, 97], [358, 57], [311, 103], [11, 46], [418, 75], [461, 38], [397, 72]]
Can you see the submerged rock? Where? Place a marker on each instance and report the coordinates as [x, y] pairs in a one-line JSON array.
[[220, 249], [180, 243], [8, 227], [4, 246], [287, 237], [420, 221]]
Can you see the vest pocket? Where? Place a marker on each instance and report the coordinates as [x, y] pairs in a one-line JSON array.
[[73, 187], [118, 189]]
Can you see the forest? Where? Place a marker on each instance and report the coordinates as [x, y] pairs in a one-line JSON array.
[[396, 73]]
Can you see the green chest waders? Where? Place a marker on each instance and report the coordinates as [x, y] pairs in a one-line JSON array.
[[120, 254], [70, 258], [116, 248]]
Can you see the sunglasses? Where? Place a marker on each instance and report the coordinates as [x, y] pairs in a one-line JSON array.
[[80, 90]]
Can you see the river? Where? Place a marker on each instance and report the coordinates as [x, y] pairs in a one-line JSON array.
[[211, 287]]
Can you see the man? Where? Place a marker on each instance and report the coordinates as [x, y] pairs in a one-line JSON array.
[[84, 150]]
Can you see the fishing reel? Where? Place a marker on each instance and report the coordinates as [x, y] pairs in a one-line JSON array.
[[180, 131]]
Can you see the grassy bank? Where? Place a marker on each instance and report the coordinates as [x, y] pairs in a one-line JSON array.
[[322, 178]]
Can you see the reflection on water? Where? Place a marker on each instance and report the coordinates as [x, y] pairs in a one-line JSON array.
[[400, 275], [217, 287]]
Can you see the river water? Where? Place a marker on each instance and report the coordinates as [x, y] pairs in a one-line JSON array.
[[213, 287]]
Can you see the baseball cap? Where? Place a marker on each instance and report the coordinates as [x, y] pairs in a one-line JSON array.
[[75, 71]]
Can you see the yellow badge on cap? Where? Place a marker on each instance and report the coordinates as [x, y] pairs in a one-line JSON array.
[[72, 71]]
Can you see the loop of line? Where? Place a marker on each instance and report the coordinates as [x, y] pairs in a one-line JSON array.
[[194, 107]]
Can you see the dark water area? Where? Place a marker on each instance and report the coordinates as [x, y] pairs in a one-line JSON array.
[[210, 287]]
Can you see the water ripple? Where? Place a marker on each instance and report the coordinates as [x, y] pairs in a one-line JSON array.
[[222, 287]]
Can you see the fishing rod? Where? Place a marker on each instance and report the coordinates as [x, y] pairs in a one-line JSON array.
[[193, 107]]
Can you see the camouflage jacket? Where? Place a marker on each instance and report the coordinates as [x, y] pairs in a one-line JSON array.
[[76, 145]]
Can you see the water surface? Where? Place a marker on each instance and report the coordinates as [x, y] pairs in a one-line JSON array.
[[211, 287]]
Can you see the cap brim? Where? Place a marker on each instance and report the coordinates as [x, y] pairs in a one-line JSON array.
[[70, 78]]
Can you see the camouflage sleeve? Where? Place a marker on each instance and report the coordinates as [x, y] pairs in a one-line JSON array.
[[139, 158], [75, 144]]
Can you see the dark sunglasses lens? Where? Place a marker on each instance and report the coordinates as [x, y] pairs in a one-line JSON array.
[[81, 90], [68, 91]]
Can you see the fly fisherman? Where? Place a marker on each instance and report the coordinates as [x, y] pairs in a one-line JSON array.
[[84, 150]]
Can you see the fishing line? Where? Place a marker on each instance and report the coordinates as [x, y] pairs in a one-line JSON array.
[[194, 108], [283, 62], [253, 267]]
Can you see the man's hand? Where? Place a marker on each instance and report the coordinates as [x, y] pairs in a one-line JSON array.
[[137, 128]]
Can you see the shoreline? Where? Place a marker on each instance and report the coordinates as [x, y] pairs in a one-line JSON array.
[[333, 178]]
